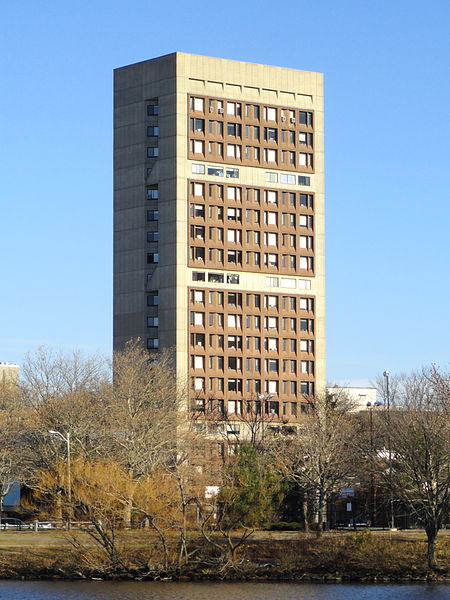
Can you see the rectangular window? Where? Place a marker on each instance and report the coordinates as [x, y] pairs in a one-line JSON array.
[[272, 177], [152, 131], [152, 236], [304, 180], [200, 169], [153, 109], [153, 193], [306, 118], [290, 179], [152, 343], [216, 171], [153, 299], [152, 152], [152, 258], [152, 321]]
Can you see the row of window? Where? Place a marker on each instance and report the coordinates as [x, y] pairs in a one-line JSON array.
[[284, 178], [254, 153], [218, 341], [237, 385], [270, 217], [284, 282], [238, 363], [230, 258], [235, 299], [251, 111], [251, 237], [242, 407], [253, 132], [217, 191], [236, 321]]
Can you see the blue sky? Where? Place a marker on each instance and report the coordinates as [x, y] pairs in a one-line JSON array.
[[386, 66]]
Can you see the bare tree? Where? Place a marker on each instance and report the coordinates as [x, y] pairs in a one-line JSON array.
[[418, 428], [320, 458]]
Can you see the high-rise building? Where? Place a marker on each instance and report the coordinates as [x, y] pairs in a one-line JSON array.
[[219, 227]]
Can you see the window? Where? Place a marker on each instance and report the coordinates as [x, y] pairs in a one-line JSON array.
[[198, 189], [153, 109], [152, 236], [307, 346], [197, 318], [306, 118], [197, 210], [215, 277], [271, 322], [153, 193], [233, 108], [270, 134], [306, 241], [152, 343], [270, 218], [307, 325], [270, 239], [232, 278], [290, 179], [306, 221], [197, 146], [305, 139], [271, 260], [304, 180], [200, 169], [152, 321], [198, 296], [217, 171], [272, 177], [270, 114], [307, 388], [270, 196], [233, 151], [232, 173], [197, 104], [271, 344], [152, 258], [234, 385], [198, 276], [305, 159], [272, 281], [152, 131], [234, 129], [306, 200], [153, 299], [270, 155], [271, 301], [197, 125], [152, 152]]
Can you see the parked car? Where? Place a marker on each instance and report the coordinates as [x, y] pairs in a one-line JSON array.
[[13, 523]]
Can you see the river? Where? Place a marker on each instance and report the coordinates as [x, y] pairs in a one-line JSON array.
[[76, 590]]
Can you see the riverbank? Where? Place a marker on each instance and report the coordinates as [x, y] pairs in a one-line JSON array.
[[267, 556]]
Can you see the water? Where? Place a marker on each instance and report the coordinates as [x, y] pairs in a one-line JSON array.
[[75, 590]]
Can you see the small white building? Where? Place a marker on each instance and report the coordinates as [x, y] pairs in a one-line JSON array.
[[359, 396], [9, 372]]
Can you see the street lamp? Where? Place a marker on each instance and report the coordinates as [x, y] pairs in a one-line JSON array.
[[388, 405], [66, 439], [370, 407]]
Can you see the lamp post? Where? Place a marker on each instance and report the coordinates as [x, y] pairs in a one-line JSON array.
[[66, 439], [388, 406], [373, 510]]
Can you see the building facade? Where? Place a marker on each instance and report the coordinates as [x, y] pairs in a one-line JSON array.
[[219, 228]]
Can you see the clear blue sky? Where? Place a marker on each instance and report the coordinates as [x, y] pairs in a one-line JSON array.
[[387, 70]]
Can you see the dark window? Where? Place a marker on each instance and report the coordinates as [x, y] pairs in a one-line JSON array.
[[152, 131], [152, 236], [152, 152], [304, 180], [153, 215]]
